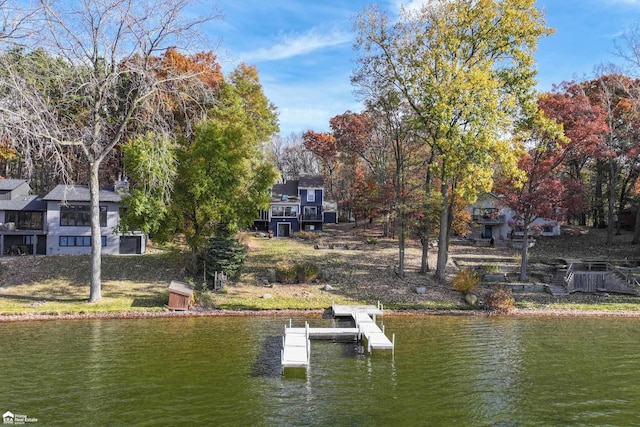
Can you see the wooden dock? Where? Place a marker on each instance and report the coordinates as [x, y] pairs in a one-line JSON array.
[[296, 347]]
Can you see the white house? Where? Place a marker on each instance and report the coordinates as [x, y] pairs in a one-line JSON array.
[[495, 221]]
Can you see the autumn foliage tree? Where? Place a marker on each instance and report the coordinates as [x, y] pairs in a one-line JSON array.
[[584, 126], [466, 71], [540, 194], [610, 92]]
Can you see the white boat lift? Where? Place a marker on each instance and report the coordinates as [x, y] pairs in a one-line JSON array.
[[296, 346]]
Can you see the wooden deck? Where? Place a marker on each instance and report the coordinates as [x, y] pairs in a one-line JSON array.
[[296, 348]]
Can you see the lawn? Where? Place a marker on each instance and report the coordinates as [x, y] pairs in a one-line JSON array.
[[60, 284], [358, 265]]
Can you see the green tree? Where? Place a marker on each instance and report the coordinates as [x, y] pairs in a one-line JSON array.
[[150, 163], [222, 177], [466, 70]]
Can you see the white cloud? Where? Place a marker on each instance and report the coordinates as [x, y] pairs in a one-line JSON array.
[[310, 105], [296, 45], [410, 4]]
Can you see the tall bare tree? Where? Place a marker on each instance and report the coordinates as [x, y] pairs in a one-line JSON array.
[[291, 157], [104, 82]]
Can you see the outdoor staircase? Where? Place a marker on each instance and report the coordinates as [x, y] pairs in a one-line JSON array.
[[557, 287]]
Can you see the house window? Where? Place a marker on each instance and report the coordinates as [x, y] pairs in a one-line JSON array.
[[79, 216], [485, 214], [284, 211], [547, 229], [25, 220], [311, 195], [80, 241]]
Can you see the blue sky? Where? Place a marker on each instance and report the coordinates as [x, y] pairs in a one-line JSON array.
[[304, 49]]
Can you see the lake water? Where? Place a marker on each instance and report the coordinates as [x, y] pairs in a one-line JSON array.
[[221, 371]]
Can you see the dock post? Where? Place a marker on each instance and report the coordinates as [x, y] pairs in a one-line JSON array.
[[306, 327], [393, 342]]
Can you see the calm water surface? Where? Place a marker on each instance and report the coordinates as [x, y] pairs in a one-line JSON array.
[[447, 371]]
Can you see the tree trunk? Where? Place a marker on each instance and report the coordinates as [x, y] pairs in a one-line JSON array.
[[636, 227], [611, 202], [386, 225], [424, 264], [525, 255], [401, 247], [598, 204], [95, 293], [443, 254], [424, 239]]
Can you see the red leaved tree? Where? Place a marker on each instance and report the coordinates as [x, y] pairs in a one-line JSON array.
[[585, 126], [541, 194]]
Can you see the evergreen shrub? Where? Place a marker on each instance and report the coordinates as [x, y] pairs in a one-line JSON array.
[[223, 254]]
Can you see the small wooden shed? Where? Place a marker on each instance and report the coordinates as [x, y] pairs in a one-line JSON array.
[[180, 294]]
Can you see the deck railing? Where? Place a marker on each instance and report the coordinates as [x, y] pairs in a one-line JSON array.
[[600, 276], [311, 217]]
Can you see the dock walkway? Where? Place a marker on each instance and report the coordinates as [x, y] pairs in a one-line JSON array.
[[365, 320], [296, 347]]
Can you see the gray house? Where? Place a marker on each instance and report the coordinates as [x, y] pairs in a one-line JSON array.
[[23, 227], [59, 223]]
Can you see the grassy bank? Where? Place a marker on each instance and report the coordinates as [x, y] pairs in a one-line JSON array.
[[60, 284], [359, 266]]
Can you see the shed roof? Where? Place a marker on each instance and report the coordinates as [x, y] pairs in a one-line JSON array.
[[11, 184], [24, 203], [181, 288], [79, 193]]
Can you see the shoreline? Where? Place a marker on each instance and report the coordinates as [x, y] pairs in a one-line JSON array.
[[10, 318]]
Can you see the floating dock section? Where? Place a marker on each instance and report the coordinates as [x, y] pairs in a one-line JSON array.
[[296, 343]]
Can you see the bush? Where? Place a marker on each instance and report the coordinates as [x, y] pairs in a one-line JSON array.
[[371, 241], [466, 280], [306, 235], [285, 272], [306, 272], [499, 299], [491, 268]]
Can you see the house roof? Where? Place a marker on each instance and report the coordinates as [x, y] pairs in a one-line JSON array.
[[289, 189], [311, 181], [11, 184], [24, 203], [79, 193]]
